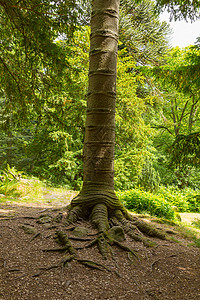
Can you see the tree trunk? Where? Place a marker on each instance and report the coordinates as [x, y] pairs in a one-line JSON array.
[[97, 199], [100, 121], [99, 144]]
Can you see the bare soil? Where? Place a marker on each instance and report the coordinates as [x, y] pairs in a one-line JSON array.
[[168, 271]]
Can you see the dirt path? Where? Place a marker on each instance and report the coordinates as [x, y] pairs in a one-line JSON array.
[[188, 218], [168, 271]]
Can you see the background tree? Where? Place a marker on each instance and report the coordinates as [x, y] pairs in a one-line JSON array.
[[180, 9], [32, 67], [142, 33], [177, 111]]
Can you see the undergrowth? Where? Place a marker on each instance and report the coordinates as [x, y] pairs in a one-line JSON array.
[[183, 229], [144, 202], [186, 200], [196, 223], [166, 203], [189, 233], [25, 189]]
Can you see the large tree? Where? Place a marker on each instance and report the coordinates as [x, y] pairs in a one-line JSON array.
[[97, 198]]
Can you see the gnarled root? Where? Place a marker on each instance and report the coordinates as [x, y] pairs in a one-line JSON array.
[[136, 228], [74, 214], [106, 211], [113, 223]]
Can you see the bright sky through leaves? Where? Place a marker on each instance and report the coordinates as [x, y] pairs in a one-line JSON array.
[[184, 33]]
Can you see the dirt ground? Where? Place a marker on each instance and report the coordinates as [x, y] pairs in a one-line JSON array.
[[188, 218], [168, 271]]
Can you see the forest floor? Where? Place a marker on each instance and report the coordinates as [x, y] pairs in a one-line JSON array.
[[170, 270]]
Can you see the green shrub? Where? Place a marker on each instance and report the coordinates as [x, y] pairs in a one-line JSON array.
[[194, 203], [140, 202], [164, 203], [8, 181], [8, 188], [185, 200]]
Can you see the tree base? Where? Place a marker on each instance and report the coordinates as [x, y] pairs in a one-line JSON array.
[[105, 212], [113, 223]]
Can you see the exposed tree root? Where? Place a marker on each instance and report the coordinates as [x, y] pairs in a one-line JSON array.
[[71, 254], [63, 239], [105, 211], [35, 236], [111, 219], [74, 214], [79, 239], [93, 265]]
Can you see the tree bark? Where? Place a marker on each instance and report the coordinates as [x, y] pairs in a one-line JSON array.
[[100, 120], [97, 199], [99, 143]]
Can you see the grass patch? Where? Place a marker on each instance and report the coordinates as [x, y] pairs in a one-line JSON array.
[[178, 228], [196, 223], [33, 190], [23, 190], [189, 233], [196, 243]]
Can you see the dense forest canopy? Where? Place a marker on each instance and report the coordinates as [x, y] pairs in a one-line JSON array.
[[44, 64]]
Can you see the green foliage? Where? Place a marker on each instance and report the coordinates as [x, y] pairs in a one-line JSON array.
[[49, 143], [180, 9], [178, 90], [185, 200], [9, 181], [175, 116], [181, 69], [8, 189], [141, 31], [166, 203], [131, 131], [140, 202], [149, 178], [31, 61], [196, 223], [185, 150]]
